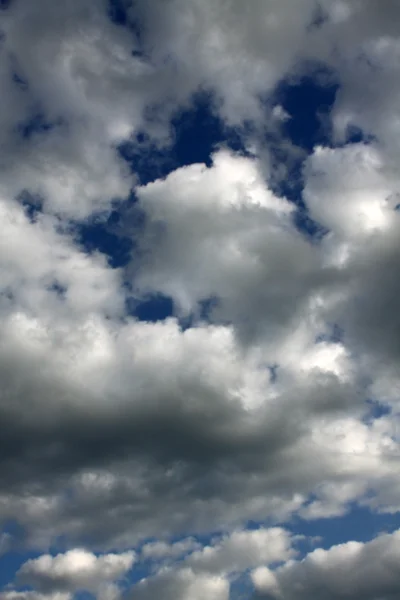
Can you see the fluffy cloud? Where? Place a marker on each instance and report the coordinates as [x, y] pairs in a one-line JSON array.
[[159, 550], [89, 397], [202, 570], [353, 192], [220, 233], [30, 595], [207, 572], [240, 53], [182, 585], [350, 570], [57, 127], [75, 570], [242, 550]]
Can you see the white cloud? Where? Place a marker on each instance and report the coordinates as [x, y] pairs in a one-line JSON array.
[[352, 191], [220, 232], [159, 550], [206, 572], [239, 52], [353, 570], [30, 595], [57, 52], [348, 191], [75, 570], [225, 441], [182, 585], [232, 553], [241, 550]]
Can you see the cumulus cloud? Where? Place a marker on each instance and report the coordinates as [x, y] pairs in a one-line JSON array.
[[196, 412], [160, 549], [207, 572], [350, 570], [30, 595], [220, 226], [239, 52], [353, 192], [75, 570], [242, 550], [53, 52], [180, 585]]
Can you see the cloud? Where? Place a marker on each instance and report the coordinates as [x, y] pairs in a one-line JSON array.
[[352, 191], [181, 585], [238, 52], [350, 570], [72, 164], [31, 595], [233, 229], [242, 550], [76, 570], [159, 550], [91, 396], [206, 571]]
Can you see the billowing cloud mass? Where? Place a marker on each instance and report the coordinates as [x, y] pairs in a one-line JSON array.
[[148, 455], [76, 570], [351, 570]]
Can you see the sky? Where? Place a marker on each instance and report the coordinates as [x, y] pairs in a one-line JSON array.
[[199, 283]]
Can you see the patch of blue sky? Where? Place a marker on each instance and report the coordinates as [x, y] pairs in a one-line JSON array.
[[122, 13], [319, 19], [118, 11], [334, 334], [196, 133], [375, 410], [273, 373], [307, 97], [81, 595], [58, 289], [98, 236], [359, 524], [153, 308], [10, 563], [32, 204], [204, 313], [37, 124], [20, 81], [13, 557], [355, 135]]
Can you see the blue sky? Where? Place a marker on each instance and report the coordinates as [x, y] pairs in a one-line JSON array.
[[198, 307]]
